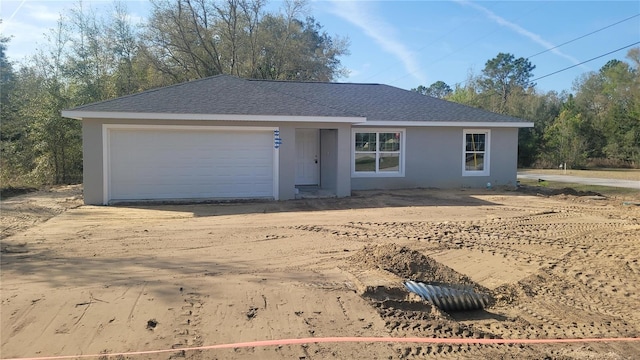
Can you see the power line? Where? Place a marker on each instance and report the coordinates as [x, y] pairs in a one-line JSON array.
[[583, 36], [586, 61], [557, 46], [452, 52]]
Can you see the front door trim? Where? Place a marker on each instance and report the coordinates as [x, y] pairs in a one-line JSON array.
[[307, 156]]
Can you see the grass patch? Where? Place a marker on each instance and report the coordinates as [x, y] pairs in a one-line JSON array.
[[608, 191], [621, 174]]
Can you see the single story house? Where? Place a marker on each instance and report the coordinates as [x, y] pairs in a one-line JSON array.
[[225, 137]]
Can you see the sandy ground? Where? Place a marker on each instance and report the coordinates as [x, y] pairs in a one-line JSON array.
[[94, 280], [19, 213]]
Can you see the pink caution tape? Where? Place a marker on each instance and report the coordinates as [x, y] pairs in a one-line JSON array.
[[340, 340]]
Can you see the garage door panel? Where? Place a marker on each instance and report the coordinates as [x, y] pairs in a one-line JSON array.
[[183, 164]]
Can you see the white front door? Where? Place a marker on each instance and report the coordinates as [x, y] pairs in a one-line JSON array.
[[307, 157]]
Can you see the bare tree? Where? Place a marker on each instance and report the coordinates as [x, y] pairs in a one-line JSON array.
[[188, 39]]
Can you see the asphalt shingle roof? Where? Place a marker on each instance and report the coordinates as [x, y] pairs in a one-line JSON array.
[[224, 94]]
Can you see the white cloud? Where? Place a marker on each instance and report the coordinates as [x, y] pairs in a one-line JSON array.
[[354, 73], [27, 23], [41, 12], [518, 29], [375, 27]]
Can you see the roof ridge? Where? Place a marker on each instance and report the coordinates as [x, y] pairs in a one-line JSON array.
[[310, 82]]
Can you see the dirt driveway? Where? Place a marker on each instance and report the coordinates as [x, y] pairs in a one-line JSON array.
[[95, 280]]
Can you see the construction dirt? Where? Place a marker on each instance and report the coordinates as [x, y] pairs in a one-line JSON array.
[[170, 281]]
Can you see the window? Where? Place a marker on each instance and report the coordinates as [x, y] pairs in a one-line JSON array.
[[378, 152], [475, 160]]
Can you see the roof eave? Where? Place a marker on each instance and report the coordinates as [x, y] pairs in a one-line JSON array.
[[82, 115], [466, 124]]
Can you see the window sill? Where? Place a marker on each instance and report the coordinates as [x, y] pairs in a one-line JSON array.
[[376, 175], [475, 173]]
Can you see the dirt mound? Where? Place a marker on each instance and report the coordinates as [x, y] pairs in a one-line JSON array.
[[409, 264]]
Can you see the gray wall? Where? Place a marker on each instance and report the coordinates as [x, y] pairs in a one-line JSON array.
[[287, 163], [434, 159], [343, 187], [329, 159], [504, 157], [338, 167], [92, 161]]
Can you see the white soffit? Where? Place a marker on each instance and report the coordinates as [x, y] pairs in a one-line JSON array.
[[465, 124], [80, 115]]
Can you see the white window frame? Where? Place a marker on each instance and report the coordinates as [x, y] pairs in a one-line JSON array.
[[377, 173], [487, 152]]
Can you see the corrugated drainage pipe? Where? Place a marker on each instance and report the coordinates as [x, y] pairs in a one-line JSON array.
[[448, 298]]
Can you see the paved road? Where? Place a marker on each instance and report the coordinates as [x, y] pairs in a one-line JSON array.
[[631, 184]]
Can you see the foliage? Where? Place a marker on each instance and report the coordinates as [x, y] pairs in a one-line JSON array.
[[438, 89], [564, 141], [504, 77], [12, 142], [46, 147], [7, 83], [542, 110], [600, 121], [90, 58], [610, 102], [7, 76], [190, 39]]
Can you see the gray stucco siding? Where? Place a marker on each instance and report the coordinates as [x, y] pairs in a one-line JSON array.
[[433, 158], [93, 173], [335, 169], [504, 157]]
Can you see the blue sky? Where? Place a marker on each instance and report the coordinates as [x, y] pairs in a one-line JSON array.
[[411, 43]]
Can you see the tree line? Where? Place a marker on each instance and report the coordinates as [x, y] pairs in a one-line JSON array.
[[89, 57], [596, 125]]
